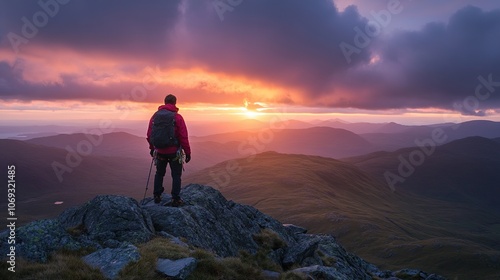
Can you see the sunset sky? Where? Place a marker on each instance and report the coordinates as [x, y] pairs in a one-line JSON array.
[[420, 61]]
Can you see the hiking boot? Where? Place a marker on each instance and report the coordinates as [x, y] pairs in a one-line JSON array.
[[157, 199], [177, 202]]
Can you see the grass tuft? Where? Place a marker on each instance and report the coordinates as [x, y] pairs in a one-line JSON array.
[[156, 248], [61, 265], [229, 268], [269, 240], [293, 276], [77, 231], [65, 264]]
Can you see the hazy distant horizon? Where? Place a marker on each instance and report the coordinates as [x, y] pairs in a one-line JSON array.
[[10, 129]]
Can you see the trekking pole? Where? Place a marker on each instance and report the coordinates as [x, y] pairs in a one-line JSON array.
[[147, 182]]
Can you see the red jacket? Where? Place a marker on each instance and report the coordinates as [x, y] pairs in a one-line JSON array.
[[180, 132]]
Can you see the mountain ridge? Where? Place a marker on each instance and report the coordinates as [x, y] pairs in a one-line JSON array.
[[387, 228], [458, 221], [461, 169], [322, 141]]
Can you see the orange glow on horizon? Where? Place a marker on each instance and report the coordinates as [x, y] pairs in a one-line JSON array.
[[196, 84], [58, 112], [203, 95]]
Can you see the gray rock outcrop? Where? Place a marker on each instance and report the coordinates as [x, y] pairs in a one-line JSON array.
[[176, 269], [111, 224], [111, 261], [110, 220], [211, 222], [38, 239]]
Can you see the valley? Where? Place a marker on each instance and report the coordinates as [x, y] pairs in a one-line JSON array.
[[440, 215]]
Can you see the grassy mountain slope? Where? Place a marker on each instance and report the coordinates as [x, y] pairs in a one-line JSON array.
[[464, 170], [387, 228]]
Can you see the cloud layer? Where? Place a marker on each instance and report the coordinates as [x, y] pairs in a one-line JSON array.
[[272, 51]]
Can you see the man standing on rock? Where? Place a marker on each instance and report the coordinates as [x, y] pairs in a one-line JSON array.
[[168, 141]]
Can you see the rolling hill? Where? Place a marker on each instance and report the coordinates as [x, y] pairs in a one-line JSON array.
[[464, 170], [322, 141], [339, 139], [364, 127], [486, 129], [387, 228], [394, 136], [111, 144]]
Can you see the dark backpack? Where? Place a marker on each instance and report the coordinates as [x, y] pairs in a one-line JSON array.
[[163, 130]]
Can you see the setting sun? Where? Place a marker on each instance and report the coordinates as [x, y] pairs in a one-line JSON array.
[[251, 114]]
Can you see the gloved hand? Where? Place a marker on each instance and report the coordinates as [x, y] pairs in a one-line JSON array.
[[152, 152], [188, 158]]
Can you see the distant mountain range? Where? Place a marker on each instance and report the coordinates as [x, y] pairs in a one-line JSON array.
[[39, 186], [125, 145], [111, 144], [324, 141], [441, 215], [394, 136]]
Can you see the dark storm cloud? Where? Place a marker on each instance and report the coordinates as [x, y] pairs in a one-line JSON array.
[[442, 65], [292, 43], [288, 44], [116, 27]]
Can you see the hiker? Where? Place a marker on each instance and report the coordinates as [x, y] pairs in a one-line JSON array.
[[168, 149]]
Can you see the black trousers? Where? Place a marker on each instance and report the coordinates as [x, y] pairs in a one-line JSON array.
[[162, 160]]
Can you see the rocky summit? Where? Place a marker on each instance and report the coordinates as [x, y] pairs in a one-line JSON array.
[[114, 225]]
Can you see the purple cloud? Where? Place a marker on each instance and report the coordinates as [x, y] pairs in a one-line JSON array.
[[292, 45]]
